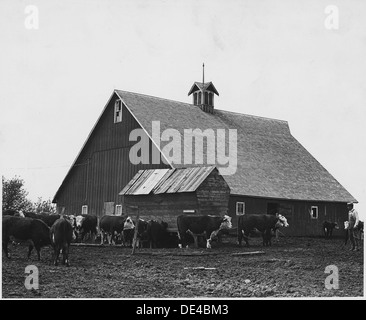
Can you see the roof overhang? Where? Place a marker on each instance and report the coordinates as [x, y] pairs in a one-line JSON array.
[[199, 86]]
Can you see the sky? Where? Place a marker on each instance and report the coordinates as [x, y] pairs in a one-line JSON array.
[[299, 61]]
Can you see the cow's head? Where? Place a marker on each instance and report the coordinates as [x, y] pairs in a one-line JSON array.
[[128, 224], [346, 225], [70, 219], [226, 223], [282, 221], [336, 225], [79, 221]]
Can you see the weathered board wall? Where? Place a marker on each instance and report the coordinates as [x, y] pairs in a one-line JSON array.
[[164, 207], [103, 167], [211, 197], [297, 214]]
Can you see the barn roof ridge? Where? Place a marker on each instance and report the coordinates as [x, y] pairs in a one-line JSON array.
[[192, 105]]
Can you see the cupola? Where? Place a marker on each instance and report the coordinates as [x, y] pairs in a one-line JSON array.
[[203, 94]]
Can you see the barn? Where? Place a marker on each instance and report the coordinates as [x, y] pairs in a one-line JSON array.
[[266, 169], [163, 194]]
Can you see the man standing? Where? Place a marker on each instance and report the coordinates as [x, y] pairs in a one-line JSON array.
[[353, 231]]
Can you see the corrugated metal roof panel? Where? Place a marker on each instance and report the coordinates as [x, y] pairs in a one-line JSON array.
[[151, 181], [167, 180], [195, 180], [179, 180], [164, 182], [138, 183], [130, 184]]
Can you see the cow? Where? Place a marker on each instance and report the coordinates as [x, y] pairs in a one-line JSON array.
[[34, 231], [141, 233], [264, 223], [110, 226], [86, 224], [328, 228], [9, 212], [128, 232], [14, 213], [206, 225], [157, 234], [61, 234], [30, 214], [47, 218]]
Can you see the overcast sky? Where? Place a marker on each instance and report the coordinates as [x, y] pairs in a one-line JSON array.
[[287, 60]]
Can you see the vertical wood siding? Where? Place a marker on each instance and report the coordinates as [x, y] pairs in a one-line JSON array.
[[103, 167], [297, 214]]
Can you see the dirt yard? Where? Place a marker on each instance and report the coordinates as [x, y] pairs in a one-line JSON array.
[[293, 267]]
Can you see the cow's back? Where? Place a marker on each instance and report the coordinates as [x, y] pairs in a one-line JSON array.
[[198, 224], [90, 222], [26, 229], [258, 221], [61, 231], [49, 219], [111, 223]]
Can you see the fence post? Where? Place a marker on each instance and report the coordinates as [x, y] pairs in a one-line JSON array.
[[136, 231]]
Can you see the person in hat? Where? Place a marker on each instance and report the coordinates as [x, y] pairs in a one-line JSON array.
[[353, 231]]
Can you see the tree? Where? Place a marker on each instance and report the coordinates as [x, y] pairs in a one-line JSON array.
[[44, 206], [14, 195]]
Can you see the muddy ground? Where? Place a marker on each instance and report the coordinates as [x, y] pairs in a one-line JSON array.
[[292, 267]]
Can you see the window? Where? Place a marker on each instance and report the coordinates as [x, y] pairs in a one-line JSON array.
[[118, 210], [314, 212], [210, 99], [206, 98], [118, 111], [240, 208], [188, 211], [84, 210], [195, 98]]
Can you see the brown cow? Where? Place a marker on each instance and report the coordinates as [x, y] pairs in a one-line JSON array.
[[61, 234], [34, 231]]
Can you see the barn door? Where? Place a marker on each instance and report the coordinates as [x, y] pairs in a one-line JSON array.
[[273, 208], [108, 208]]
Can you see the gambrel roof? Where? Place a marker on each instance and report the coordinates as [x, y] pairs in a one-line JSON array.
[[271, 163]]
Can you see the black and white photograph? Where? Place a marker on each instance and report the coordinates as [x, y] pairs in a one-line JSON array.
[[199, 151]]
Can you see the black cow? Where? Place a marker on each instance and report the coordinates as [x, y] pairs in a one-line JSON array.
[[86, 224], [156, 234], [11, 212], [34, 231], [141, 232], [30, 214], [206, 225], [111, 226], [47, 218], [264, 223], [328, 228], [61, 234], [129, 232]]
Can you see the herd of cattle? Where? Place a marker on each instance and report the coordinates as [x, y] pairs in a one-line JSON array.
[[43, 229]]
